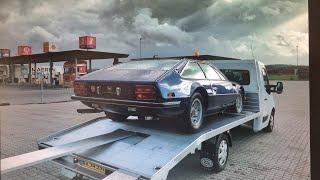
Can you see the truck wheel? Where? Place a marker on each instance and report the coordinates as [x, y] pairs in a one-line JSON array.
[[270, 126], [193, 119], [238, 105], [216, 159], [116, 117]]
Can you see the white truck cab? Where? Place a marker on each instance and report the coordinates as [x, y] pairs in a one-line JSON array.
[[252, 75]]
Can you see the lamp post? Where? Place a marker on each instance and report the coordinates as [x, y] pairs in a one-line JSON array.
[[297, 55], [297, 59], [140, 45]]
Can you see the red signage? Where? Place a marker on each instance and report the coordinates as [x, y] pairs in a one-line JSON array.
[[87, 42], [24, 50], [4, 53], [49, 47]]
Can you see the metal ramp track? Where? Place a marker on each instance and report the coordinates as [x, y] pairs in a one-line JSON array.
[[36, 157], [146, 157]]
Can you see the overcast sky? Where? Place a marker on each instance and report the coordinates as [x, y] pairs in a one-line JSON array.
[[268, 30]]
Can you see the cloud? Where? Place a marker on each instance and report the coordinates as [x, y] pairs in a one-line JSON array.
[[270, 11], [268, 30], [39, 33], [150, 28]]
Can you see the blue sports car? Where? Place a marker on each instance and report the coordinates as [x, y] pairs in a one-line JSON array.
[[186, 89]]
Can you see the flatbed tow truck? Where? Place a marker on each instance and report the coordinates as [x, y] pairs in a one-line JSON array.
[[135, 149]]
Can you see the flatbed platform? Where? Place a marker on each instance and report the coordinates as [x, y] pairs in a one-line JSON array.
[[156, 147]]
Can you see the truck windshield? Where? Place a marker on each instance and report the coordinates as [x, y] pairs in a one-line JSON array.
[[147, 65], [239, 76]]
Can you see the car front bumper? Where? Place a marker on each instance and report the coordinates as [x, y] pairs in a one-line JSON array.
[[129, 107]]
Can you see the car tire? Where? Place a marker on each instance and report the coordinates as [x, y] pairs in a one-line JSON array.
[[116, 117], [193, 118], [214, 158], [270, 126], [238, 105]]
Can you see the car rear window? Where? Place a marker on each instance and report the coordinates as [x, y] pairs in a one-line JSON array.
[[241, 77], [147, 65]]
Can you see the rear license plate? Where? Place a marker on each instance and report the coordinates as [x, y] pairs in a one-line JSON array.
[[94, 167]]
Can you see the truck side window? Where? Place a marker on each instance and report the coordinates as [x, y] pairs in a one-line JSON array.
[[265, 76], [237, 75], [265, 80]]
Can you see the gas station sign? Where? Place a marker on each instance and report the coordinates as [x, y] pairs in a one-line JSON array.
[[4, 53], [24, 50], [87, 42], [49, 47]]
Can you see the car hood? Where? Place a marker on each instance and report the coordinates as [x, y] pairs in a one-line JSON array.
[[127, 75]]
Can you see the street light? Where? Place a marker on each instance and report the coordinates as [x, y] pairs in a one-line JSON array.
[[296, 71], [297, 55], [140, 45]]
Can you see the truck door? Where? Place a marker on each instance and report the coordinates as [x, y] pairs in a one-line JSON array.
[[266, 96]]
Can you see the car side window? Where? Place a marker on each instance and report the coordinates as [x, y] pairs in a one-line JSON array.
[[193, 71], [209, 72]]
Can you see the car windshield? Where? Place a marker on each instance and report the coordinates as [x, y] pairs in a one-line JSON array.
[[147, 65]]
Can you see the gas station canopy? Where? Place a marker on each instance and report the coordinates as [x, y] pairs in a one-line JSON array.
[[60, 56], [199, 57]]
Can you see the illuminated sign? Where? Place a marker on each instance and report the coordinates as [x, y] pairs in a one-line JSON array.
[[87, 42], [49, 47], [4, 53], [24, 50]]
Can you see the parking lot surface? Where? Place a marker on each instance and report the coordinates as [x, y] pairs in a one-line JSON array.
[[282, 154], [20, 96]]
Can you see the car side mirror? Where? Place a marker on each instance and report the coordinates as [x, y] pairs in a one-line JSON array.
[[279, 87]]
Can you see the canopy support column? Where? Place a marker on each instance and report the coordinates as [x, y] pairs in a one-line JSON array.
[[12, 72], [50, 72], [90, 67], [76, 67], [115, 61], [30, 71], [35, 70]]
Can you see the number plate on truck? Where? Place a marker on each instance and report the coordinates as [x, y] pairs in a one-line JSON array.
[[94, 167]]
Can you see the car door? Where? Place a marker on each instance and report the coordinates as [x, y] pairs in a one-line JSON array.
[[193, 72], [219, 86]]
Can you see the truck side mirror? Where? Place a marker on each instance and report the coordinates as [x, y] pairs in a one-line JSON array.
[[279, 87]]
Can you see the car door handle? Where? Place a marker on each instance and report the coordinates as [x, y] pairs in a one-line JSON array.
[[265, 99]]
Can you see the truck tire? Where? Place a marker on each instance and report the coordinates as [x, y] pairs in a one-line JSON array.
[[193, 118], [116, 117], [270, 126], [238, 105], [215, 158]]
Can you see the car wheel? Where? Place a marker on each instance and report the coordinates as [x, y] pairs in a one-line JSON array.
[[193, 119], [270, 126], [116, 117], [238, 105], [216, 159]]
